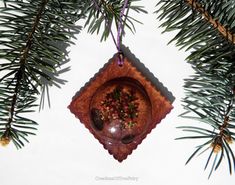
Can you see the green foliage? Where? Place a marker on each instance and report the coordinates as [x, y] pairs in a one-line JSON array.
[[106, 13], [34, 36], [210, 92]]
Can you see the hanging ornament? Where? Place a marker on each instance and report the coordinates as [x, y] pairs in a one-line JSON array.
[[123, 102], [120, 105]]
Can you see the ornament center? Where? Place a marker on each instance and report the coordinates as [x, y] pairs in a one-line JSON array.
[[120, 110]]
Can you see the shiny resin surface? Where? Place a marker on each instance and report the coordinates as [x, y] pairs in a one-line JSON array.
[[120, 106]]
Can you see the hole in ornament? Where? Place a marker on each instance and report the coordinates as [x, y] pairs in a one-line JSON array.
[[120, 59], [120, 64], [120, 110], [98, 123], [128, 139]]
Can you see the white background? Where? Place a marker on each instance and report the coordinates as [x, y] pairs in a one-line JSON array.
[[65, 153]]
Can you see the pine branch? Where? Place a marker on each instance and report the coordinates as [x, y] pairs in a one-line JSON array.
[[107, 13], [34, 36], [23, 60], [216, 24], [210, 91]]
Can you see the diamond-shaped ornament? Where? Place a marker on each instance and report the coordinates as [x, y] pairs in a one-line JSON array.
[[120, 105]]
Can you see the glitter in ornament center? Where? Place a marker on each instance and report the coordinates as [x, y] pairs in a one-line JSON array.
[[120, 104]]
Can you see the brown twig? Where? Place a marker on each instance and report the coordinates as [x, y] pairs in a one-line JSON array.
[[225, 124], [23, 61], [215, 23], [223, 133]]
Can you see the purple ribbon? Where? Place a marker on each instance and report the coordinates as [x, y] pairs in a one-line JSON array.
[[119, 35], [120, 30]]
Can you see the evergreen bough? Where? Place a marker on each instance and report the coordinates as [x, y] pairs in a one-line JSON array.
[[207, 29]]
